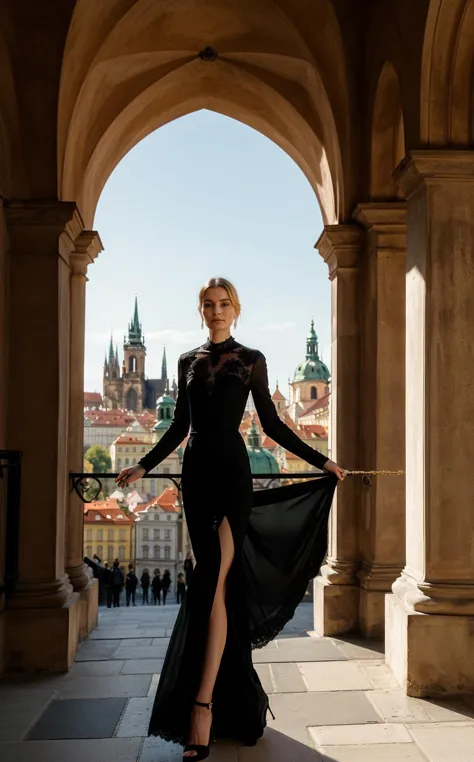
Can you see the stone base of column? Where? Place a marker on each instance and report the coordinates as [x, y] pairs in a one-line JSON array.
[[43, 639], [88, 608], [429, 654], [376, 582], [336, 607]]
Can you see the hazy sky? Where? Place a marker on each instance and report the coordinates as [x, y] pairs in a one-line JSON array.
[[201, 197]]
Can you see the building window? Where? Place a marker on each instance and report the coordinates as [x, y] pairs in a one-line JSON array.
[[110, 535], [89, 551], [167, 534], [167, 553], [123, 534], [119, 462], [156, 534], [145, 534], [314, 393], [99, 535], [145, 551], [127, 462], [166, 470], [88, 534], [100, 551], [121, 553], [110, 553], [156, 551]]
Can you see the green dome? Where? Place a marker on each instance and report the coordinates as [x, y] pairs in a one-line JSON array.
[[312, 368], [164, 412], [261, 460]]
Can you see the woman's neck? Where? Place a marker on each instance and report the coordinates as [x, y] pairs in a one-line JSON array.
[[219, 336]]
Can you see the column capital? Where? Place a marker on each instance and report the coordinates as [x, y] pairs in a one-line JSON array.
[[340, 246], [87, 247], [43, 226], [433, 167], [386, 221]]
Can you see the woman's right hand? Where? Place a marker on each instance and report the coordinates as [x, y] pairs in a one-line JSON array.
[[129, 475]]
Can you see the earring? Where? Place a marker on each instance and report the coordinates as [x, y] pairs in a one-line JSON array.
[[202, 323], [235, 323]]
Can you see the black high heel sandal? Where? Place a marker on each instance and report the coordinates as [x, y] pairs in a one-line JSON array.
[[202, 752]]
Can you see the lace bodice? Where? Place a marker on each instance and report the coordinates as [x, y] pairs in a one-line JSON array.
[[214, 382]]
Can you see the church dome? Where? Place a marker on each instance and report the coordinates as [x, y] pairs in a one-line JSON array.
[[261, 460], [312, 368]]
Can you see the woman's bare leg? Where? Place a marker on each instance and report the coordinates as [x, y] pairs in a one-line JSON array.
[[217, 634]]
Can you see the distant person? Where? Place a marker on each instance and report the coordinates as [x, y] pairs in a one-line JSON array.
[[145, 583], [181, 588], [107, 584], [156, 587], [165, 584], [188, 567], [117, 580], [131, 584]]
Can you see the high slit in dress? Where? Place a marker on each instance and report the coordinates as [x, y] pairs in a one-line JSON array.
[[280, 539]]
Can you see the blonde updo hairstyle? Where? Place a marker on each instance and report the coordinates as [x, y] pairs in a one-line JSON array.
[[231, 292]]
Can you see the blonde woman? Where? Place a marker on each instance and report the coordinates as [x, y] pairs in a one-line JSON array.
[[255, 553]]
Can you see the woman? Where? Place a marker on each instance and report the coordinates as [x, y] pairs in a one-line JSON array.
[[254, 556], [145, 583], [156, 587]]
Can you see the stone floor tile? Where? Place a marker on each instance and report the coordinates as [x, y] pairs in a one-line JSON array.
[[19, 709], [334, 676], [135, 719], [408, 752], [445, 743], [95, 668], [353, 735], [160, 641], [141, 666], [78, 718], [157, 750], [452, 709], [379, 674], [395, 706], [310, 709], [120, 686], [263, 671], [299, 650], [134, 642], [287, 678], [97, 650], [140, 652], [278, 747], [357, 648], [90, 750], [153, 685]]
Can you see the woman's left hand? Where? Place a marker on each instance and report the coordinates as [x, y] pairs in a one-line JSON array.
[[333, 468]]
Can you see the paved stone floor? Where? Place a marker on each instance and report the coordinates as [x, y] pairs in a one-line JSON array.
[[334, 701]]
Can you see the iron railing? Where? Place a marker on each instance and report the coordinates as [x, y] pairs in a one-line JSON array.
[[10, 474]]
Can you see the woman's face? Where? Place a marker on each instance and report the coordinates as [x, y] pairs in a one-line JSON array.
[[217, 309]]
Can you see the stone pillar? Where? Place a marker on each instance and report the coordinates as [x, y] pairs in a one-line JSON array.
[[86, 248], [382, 531], [336, 592], [430, 616], [42, 621]]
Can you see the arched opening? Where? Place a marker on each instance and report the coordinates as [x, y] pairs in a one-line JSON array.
[[314, 393], [132, 400], [388, 140], [132, 364]]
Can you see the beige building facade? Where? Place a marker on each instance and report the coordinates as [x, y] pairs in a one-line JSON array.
[[376, 110]]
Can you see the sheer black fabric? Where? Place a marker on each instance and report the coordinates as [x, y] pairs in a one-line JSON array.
[[280, 539]]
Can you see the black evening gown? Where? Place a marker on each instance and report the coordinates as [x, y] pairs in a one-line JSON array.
[[280, 539]]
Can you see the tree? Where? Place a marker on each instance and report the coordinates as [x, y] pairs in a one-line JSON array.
[[99, 459]]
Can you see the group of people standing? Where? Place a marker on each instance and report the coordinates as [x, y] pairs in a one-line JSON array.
[[115, 580]]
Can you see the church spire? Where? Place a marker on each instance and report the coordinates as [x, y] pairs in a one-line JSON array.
[[111, 348], [164, 369], [312, 344], [135, 327]]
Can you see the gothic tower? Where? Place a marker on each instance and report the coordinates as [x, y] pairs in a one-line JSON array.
[[112, 380], [134, 365]]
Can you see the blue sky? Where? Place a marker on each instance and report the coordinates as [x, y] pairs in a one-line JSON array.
[[200, 197]]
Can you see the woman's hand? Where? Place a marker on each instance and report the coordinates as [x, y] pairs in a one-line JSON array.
[[333, 468], [129, 475]]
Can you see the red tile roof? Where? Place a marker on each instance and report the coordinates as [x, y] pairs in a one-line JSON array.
[[277, 395], [93, 397], [104, 509], [167, 500], [127, 439], [320, 404]]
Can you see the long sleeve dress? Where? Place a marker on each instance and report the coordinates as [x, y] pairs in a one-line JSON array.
[[280, 539]]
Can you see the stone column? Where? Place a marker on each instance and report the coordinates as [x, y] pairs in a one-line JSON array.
[[42, 622], [430, 616], [382, 407], [336, 592], [86, 248]]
